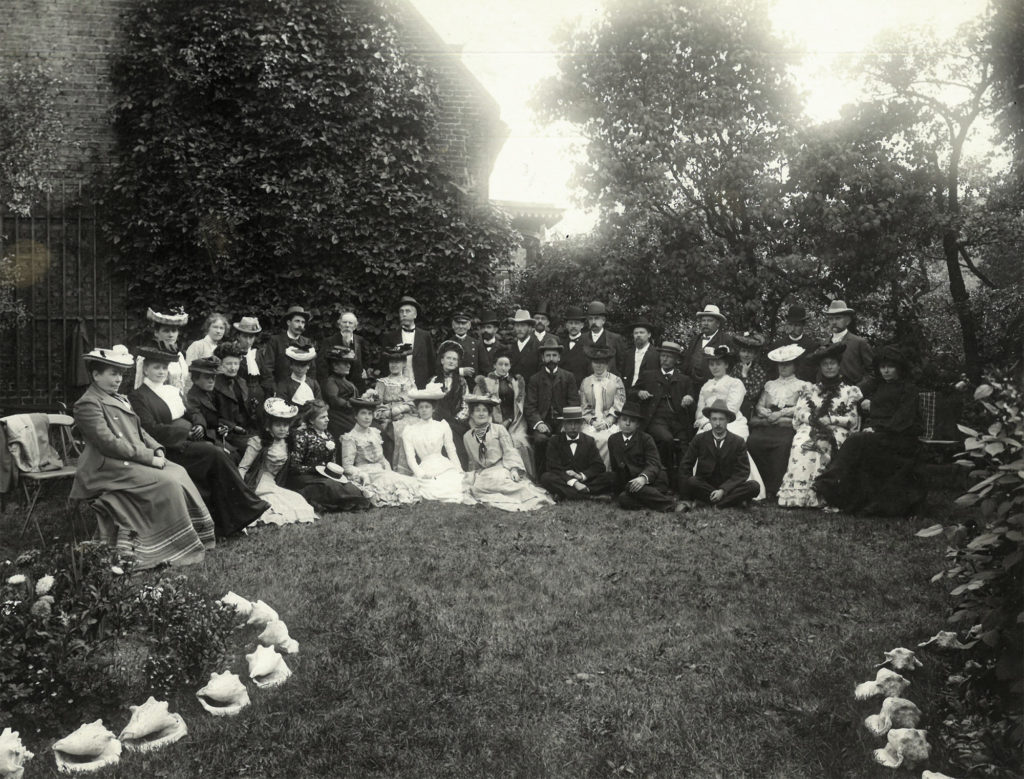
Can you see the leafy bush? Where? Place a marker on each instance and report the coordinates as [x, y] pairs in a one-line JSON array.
[[275, 151], [985, 724]]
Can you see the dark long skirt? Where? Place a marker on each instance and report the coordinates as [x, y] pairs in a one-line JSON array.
[[232, 504], [875, 473], [326, 493], [770, 447]]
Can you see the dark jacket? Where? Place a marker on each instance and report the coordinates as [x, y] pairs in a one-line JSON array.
[[234, 403], [286, 388], [725, 468], [695, 362], [274, 364], [361, 362], [525, 363], [156, 420], [894, 409], [560, 458], [338, 391], [612, 341], [575, 360], [668, 395], [203, 404], [650, 362], [805, 369], [473, 355], [490, 351], [547, 394], [639, 456], [424, 358], [856, 361]]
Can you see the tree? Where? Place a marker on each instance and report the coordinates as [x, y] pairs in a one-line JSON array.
[[276, 151], [687, 108]]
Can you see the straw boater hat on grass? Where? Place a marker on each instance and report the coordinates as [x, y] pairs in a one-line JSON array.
[[719, 405], [116, 356], [787, 353], [279, 408], [174, 317], [332, 471]]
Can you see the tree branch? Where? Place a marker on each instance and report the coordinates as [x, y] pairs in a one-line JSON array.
[[974, 268]]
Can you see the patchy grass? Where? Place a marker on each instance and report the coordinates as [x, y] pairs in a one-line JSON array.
[[573, 641]]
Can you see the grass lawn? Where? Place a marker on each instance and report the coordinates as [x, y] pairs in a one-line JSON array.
[[573, 641]]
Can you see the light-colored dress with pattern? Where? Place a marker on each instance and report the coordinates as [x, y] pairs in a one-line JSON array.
[[397, 410], [286, 506], [362, 456], [489, 477], [838, 417], [439, 474], [601, 399]]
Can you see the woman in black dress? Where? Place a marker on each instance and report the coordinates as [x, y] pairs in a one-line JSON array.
[[313, 471], [452, 407]]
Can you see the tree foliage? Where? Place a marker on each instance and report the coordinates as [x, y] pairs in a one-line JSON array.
[[278, 151]]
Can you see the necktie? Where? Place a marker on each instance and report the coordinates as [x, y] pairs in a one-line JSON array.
[[480, 434]]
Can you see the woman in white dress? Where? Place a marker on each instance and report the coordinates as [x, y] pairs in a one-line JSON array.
[[214, 328], [430, 451], [602, 395]]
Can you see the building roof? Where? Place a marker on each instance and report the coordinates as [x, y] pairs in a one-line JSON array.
[[547, 213]]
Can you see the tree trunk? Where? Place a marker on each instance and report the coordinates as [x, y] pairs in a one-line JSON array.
[[962, 303]]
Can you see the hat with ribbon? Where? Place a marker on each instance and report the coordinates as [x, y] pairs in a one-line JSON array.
[[432, 392], [719, 405], [571, 414], [332, 471], [671, 347], [297, 311], [710, 310], [721, 352], [749, 339], [598, 353], [358, 403], [835, 351], [116, 356], [397, 351], [488, 400], [787, 353], [837, 308], [341, 353], [249, 325], [174, 317], [279, 408], [304, 353], [151, 354]]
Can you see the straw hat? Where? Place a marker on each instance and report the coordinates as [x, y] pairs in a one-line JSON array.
[[249, 325], [116, 356], [279, 408], [175, 317], [710, 310], [787, 353], [671, 347], [522, 316], [297, 311], [837, 307], [571, 414], [488, 400], [432, 392]]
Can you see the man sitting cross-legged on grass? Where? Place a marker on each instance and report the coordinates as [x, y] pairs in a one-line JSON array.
[[722, 477], [640, 479], [575, 469]]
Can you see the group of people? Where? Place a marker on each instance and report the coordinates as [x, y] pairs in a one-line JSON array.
[[185, 447]]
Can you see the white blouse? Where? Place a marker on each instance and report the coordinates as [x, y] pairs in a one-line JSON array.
[[170, 395]]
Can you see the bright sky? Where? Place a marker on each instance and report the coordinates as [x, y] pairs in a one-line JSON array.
[[507, 45]]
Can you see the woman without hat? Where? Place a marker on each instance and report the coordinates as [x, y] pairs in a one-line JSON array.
[[452, 407], [313, 468], [215, 328], [163, 414], [148, 506]]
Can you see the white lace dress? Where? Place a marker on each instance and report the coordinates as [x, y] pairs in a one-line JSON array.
[[430, 451]]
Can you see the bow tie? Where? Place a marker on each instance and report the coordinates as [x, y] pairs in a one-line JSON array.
[[626, 439], [574, 340], [667, 375], [409, 329], [575, 440]]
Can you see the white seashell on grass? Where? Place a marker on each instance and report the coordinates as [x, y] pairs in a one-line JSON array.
[[13, 755], [224, 695], [261, 614], [242, 607], [152, 726], [945, 639], [903, 659], [895, 713], [88, 749], [275, 634], [267, 668], [887, 683], [906, 747]]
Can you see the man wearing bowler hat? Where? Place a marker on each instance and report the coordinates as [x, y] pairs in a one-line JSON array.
[[668, 396], [574, 358], [640, 479], [597, 317], [523, 352], [710, 322], [473, 361], [548, 391], [722, 477], [421, 363], [575, 469], [275, 366], [643, 356], [489, 337], [795, 332], [855, 364]]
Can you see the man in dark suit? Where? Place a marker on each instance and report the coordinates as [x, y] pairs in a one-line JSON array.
[[422, 361], [795, 333], [597, 317], [722, 477], [489, 338], [575, 469], [640, 480], [473, 361], [348, 338], [548, 391], [710, 322], [273, 362], [668, 396], [857, 360], [574, 358], [542, 322], [642, 357], [523, 352]]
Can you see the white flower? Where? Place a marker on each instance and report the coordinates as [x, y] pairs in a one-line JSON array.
[[44, 585], [18, 578], [117, 570], [43, 606], [330, 446]]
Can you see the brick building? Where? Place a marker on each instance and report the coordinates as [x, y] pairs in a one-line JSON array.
[[65, 278]]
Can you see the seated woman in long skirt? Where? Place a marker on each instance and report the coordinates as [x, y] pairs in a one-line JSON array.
[[161, 410], [430, 451], [396, 410], [362, 456], [876, 470], [264, 466], [602, 395], [824, 417], [452, 407], [771, 428], [496, 475], [510, 392], [157, 510], [313, 470]]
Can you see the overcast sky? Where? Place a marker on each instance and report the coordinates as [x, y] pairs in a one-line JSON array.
[[507, 44]]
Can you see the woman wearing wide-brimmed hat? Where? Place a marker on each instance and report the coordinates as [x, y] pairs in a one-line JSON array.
[[338, 390], [364, 462], [165, 324], [602, 395], [721, 385], [452, 407], [824, 417], [510, 392], [771, 427], [497, 475], [202, 403], [876, 470], [430, 451], [313, 471], [265, 466], [299, 388], [395, 411], [164, 415], [749, 369], [157, 513]]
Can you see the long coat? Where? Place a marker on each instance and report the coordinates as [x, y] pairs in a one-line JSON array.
[[424, 358], [673, 390], [525, 362], [234, 403], [695, 362], [639, 456], [359, 364], [649, 362], [725, 469], [473, 354], [156, 419], [575, 360], [547, 394], [274, 363]]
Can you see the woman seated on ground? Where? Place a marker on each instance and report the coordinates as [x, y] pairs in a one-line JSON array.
[[430, 451], [602, 395], [162, 412], [202, 405], [159, 514], [165, 327], [875, 472], [362, 456], [236, 406], [824, 417], [771, 428], [339, 391], [496, 475], [749, 369], [215, 327], [510, 392], [299, 388], [452, 407], [313, 471], [264, 466], [396, 410]]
